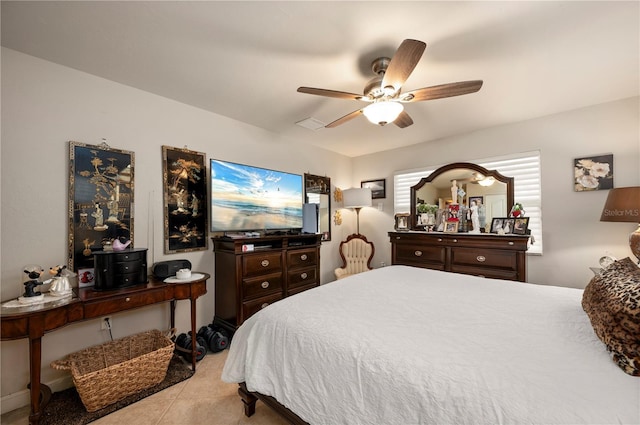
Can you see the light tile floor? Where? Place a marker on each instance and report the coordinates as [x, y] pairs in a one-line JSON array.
[[201, 399]]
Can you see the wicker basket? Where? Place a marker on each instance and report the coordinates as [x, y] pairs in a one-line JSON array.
[[107, 373]]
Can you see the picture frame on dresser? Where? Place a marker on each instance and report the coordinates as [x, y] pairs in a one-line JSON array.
[[402, 222], [451, 226], [186, 210], [520, 225], [101, 197]]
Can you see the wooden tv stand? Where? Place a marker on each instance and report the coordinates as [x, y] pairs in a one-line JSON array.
[[34, 321], [253, 272]]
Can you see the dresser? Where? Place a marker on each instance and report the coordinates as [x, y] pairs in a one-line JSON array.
[[487, 255], [253, 272]]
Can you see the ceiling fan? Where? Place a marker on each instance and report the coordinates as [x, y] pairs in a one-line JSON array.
[[384, 94]]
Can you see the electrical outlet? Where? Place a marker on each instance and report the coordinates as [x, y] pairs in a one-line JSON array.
[[106, 323]]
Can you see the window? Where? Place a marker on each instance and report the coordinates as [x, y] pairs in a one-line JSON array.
[[523, 167]]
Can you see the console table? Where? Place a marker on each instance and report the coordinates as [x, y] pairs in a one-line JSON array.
[[34, 321]]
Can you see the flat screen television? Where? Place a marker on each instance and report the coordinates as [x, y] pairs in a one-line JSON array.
[[245, 198]]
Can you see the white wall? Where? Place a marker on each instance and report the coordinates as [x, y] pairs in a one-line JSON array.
[[574, 238], [45, 105]]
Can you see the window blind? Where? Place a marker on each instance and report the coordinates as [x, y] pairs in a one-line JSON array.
[[523, 167]]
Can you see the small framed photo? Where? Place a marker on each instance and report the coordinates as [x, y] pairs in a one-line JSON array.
[[85, 278], [377, 188], [503, 225], [497, 224], [479, 200], [451, 226], [402, 222], [520, 225]]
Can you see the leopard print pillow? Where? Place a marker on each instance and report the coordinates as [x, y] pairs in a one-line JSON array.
[[612, 302]]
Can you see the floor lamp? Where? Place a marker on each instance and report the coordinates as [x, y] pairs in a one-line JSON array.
[[357, 198], [623, 205]]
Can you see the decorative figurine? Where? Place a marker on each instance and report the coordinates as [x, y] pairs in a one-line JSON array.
[[454, 192], [60, 285], [30, 296], [120, 246], [475, 217]]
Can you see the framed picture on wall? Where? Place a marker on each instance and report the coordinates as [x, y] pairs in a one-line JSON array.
[[100, 200], [593, 173], [186, 210], [377, 188]]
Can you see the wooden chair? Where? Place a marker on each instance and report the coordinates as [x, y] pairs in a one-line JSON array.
[[357, 253]]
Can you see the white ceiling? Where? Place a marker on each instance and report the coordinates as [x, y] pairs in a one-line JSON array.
[[245, 60]]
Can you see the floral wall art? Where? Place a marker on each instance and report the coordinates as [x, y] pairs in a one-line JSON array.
[[593, 173]]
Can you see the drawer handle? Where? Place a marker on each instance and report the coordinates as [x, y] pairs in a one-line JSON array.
[[439, 239], [304, 275], [126, 257], [511, 243], [397, 238], [455, 240], [264, 284], [126, 267], [418, 253], [265, 263], [264, 305], [481, 258], [303, 257], [127, 299]]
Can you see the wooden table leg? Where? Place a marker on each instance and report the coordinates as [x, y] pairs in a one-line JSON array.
[[193, 334], [40, 394]]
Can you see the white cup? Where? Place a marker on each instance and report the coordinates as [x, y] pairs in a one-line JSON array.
[[183, 274]]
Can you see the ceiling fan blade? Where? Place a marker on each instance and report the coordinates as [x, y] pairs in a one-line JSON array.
[[330, 93], [402, 64], [344, 119], [441, 91], [403, 120]]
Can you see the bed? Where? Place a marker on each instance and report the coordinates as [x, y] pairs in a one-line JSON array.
[[406, 345]]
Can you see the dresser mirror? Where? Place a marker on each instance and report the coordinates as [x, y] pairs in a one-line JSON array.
[[317, 198], [488, 189]]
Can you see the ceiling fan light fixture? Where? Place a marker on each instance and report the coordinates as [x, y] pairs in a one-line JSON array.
[[487, 181], [381, 113]]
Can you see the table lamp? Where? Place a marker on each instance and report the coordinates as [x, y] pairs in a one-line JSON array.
[[357, 198], [623, 205]]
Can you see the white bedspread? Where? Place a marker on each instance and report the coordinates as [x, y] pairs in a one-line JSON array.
[[403, 345]]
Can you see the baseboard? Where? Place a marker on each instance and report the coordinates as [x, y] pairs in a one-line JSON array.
[[22, 398]]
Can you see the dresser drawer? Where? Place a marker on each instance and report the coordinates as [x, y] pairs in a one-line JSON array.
[[302, 277], [493, 273], [261, 263], [302, 258], [130, 256], [250, 308], [261, 286], [493, 258], [125, 302], [420, 255]]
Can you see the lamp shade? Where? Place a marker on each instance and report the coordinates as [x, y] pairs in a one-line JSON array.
[[357, 197], [382, 113], [622, 205]]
